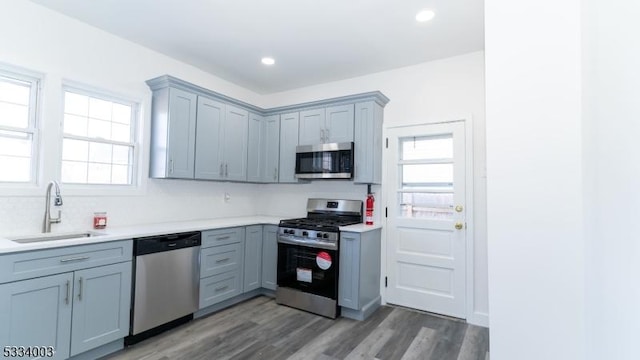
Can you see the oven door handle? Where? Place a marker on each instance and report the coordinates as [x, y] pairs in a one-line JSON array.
[[311, 244]]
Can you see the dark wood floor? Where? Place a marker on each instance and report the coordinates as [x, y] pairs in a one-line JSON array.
[[261, 329]]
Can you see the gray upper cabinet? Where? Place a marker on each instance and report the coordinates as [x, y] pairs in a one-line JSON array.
[[288, 143], [368, 143], [255, 146], [210, 128], [234, 143], [200, 134], [327, 125], [173, 134]]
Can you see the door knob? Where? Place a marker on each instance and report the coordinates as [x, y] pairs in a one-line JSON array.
[[459, 225], [459, 208]]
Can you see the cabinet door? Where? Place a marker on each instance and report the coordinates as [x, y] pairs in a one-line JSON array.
[[312, 127], [182, 134], [339, 124], [37, 312], [269, 257], [368, 143], [272, 149], [288, 143], [255, 148], [235, 143], [101, 304], [211, 116], [349, 279], [220, 259], [253, 258]]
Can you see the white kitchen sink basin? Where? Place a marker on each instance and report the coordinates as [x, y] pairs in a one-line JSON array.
[[54, 237]]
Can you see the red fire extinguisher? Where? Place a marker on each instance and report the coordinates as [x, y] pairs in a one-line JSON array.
[[369, 211]]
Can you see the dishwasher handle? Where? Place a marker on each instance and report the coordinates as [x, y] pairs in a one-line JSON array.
[[155, 244]]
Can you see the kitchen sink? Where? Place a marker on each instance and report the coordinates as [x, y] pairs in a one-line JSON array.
[[54, 237]]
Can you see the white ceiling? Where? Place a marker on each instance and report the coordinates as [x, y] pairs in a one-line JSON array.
[[312, 41]]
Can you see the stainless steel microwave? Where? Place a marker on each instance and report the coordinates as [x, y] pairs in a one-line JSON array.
[[325, 161]]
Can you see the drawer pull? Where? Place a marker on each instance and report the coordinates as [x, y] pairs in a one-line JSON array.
[[222, 288], [222, 260], [172, 245], [79, 258], [80, 290], [223, 238]]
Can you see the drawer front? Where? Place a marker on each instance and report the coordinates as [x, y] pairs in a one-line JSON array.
[[220, 259], [31, 264], [217, 288], [222, 237]]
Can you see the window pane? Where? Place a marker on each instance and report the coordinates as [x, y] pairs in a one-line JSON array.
[[99, 129], [14, 115], [99, 109], [120, 132], [76, 150], [20, 169], [120, 174], [99, 174], [121, 114], [75, 125], [99, 153], [427, 205], [74, 172], [15, 144], [15, 93], [427, 148], [426, 174], [76, 104], [121, 154]]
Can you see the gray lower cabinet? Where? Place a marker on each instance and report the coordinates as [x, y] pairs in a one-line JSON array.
[[359, 280], [77, 307], [269, 256], [221, 265], [253, 258]]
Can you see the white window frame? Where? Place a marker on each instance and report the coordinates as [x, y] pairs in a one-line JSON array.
[[136, 187], [35, 79]]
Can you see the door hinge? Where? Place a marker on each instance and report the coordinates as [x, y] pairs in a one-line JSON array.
[[387, 143], [386, 212], [385, 281]]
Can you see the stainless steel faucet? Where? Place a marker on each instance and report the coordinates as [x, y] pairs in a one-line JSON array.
[[57, 201]]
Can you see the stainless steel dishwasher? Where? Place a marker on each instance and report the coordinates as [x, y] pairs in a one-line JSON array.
[[166, 283]]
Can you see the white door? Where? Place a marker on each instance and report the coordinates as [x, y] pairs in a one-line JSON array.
[[426, 218]]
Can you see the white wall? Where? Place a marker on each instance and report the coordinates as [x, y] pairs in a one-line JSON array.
[[36, 38], [612, 120], [436, 91], [534, 171]]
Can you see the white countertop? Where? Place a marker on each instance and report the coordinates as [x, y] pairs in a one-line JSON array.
[[128, 232]]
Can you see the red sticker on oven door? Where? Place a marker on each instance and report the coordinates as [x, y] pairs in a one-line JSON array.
[[323, 259]]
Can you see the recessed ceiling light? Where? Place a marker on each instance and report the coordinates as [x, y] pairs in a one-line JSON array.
[[425, 15], [268, 61]]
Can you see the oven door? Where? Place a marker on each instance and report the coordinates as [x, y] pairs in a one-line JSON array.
[[325, 161], [308, 269]]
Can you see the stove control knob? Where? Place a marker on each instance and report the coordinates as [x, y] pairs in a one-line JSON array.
[[305, 233], [288, 231], [318, 235], [326, 236]]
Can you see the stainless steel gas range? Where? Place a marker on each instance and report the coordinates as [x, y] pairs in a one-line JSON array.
[[308, 253]]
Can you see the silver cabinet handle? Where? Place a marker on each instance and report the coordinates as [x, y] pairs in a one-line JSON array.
[[221, 171], [223, 238], [221, 288], [80, 290], [66, 300], [326, 131], [171, 166], [275, 174], [222, 260], [226, 170], [79, 258], [322, 135]]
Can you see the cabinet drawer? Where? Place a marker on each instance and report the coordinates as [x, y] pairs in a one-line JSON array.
[[31, 264], [219, 259], [217, 288], [222, 237]]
